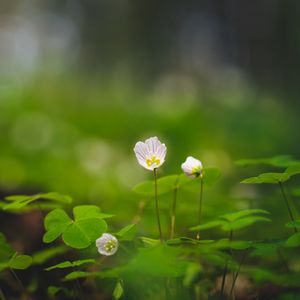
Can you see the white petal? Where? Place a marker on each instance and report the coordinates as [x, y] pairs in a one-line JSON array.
[[101, 244], [189, 166]]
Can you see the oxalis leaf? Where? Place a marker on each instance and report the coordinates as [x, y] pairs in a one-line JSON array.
[[271, 178], [235, 221], [87, 226], [18, 202], [69, 264], [293, 240], [10, 259], [127, 233], [276, 161]]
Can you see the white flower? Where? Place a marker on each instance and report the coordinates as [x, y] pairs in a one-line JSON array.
[[192, 167], [150, 154], [107, 244]]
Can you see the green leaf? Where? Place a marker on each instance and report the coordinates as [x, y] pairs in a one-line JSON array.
[[20, 262], [293, 224], [276, 161], [6, 251], [118, 290], [243, 222], [53, 290], [79, 233], [78, 274], [294, 240], [56, 223], [266, 248], [127, 233], [19, 202], [272, 178], [164, 185], [242, 213], [293, 170], [69, 264], [149, 242]]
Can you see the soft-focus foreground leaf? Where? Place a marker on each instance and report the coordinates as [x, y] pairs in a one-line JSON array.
[[234, 221], [293, 224], [19, 202], [276, 161], [272, 178], [20, 262], [87, 226], [69, 264], [294, 240], [160, 260], [127, 233], [118, 290], [266, 248]]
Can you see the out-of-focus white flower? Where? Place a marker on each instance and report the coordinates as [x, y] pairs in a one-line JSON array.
[[192, 167], [107, 244], [150, 154]]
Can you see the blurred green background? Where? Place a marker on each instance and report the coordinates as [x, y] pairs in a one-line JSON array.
[[82, 81]]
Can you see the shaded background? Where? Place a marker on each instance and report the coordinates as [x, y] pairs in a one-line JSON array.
[[82, 81]]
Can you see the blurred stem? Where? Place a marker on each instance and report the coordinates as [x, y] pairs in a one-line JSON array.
[[20, 284], [237, 273], [156, 205], [226, 264], [286, 266], [200, 206], [287, 204], [173, 214], [2, 297]]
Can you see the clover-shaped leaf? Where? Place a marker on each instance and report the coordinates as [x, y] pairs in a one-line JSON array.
[[271, 178], [10, 259], [87, 226]]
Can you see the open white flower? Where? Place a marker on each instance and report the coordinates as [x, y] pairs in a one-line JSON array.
[[192, 167], [150, 154], [107, 244]]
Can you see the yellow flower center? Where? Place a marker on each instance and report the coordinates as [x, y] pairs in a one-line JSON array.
[[153, 160], [196, 171], [110, 245]]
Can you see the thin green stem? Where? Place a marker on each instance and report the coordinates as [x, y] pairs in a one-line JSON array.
[[226, 265], [157, 206], [173, 213], [287, 204], [237, 273], [200, 206]]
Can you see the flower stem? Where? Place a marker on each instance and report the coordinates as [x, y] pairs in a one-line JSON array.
[[173, 214], [287, 204], [200, 206], [226, 265], [156, 205], [20, 284], [237, 273]]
